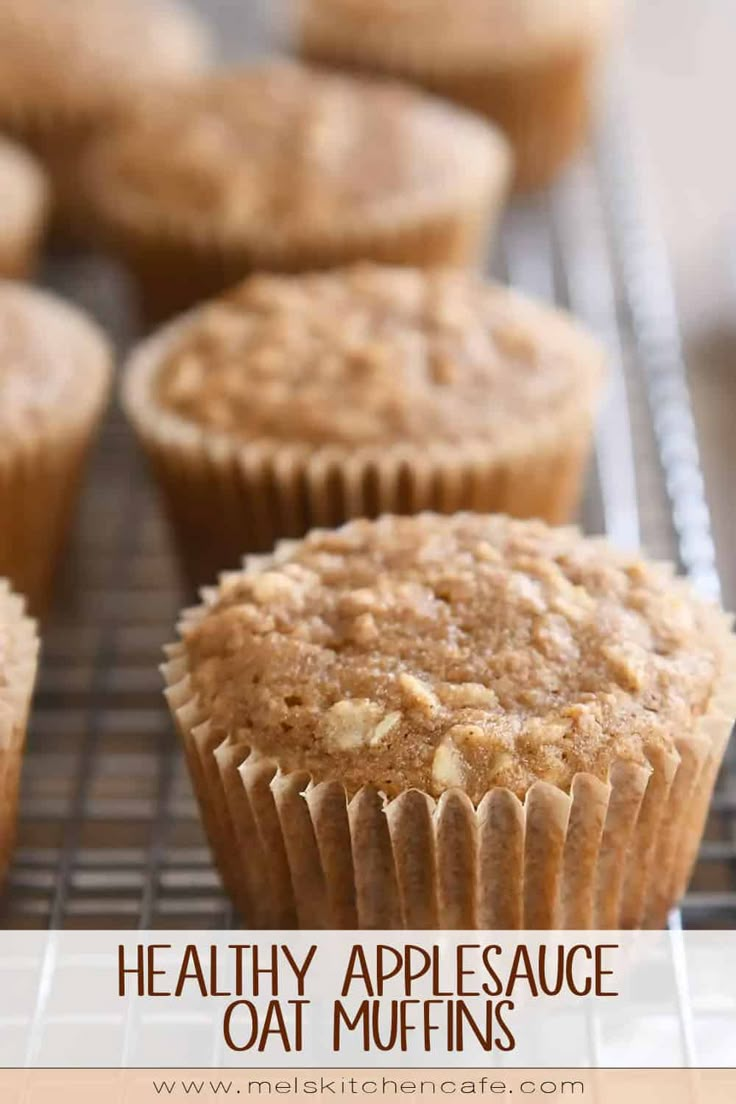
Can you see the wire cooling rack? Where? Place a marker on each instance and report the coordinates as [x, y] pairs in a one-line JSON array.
[[109, 834]]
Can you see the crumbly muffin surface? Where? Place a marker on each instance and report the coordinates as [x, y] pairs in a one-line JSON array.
[[92, 53], [47, 350], [427, 358], [283, 149], [468, 651]]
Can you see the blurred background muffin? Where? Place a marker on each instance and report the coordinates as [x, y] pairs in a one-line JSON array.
[[284, 168], [307, 400], [69, 68], [527, 64], [24, 203], [54, 376]]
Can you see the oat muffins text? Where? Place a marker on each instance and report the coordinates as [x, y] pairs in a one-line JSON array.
[[54, 376], [24, 203], [70, 68], [18, 659], [453, 722], [283, 168], [301, 401], [525, 63]]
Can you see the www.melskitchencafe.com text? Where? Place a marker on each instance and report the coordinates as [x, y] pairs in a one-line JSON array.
[[384, 997]]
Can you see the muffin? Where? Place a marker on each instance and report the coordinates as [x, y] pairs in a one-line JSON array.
[[70, 68], [299, 401], [453, 722], [54, 375], [287, 169], [527, 64], [18, 658], [24, 199]]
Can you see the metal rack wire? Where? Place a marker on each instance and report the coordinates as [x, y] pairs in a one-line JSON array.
[[109, 835]]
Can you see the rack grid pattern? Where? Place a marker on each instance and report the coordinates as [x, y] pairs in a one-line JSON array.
[[109, 835]]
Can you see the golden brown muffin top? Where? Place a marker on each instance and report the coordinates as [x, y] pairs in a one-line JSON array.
[[438, 357], [23, 188], [91, 55], [53, 362], [468, 651], [281, 149], [448, 32]]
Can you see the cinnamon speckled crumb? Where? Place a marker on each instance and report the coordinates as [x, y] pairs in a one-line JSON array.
[[439, 356], [503, 652]]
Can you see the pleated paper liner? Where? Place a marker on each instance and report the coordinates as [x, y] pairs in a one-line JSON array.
[[540, 98], [297, 853], [224, 498], [22, 226], [40, 472], [177, 264], [19, 671]]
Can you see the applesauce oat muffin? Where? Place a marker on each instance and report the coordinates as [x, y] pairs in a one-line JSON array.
[[283, 168], [18, 659], [527, 64], [299, 401], [70, 68], [54, 376], [24, 202], [453, 722]]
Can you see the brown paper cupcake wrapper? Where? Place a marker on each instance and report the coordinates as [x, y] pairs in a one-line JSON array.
[[540, 99], [39, 479], [297, 853], [15, 698], [225, 499], [177, 266]]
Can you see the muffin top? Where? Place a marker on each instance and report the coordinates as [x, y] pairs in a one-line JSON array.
[[90, 55], [54, 363], [437, 357], [466, 651], [23, 189], [454, 31], [283, 149]]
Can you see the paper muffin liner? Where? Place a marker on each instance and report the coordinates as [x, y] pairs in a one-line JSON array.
[[540, 98], [226, 498], [40, 473], [178, 266], [19, 671], [294, 852]]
